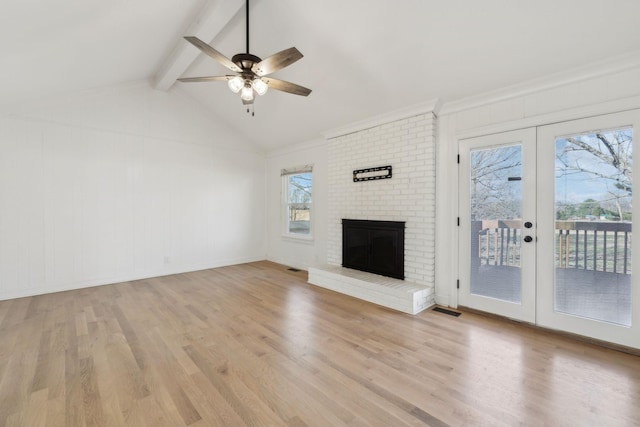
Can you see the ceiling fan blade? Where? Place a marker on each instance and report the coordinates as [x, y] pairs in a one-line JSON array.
[[277, 61], [205, 79], [286, 86], [205, 48]]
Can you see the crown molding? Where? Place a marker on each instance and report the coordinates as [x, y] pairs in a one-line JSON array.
[[431, 106], [592, 110], [610, 66]]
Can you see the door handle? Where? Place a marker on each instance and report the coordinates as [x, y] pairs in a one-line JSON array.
[[528, 239]]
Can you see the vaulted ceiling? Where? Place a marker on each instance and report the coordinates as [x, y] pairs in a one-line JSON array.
[[362, 58]]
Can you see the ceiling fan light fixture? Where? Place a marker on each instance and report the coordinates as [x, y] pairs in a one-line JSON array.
[[235, 84], [247, 92], [250, 69], [259, 86]]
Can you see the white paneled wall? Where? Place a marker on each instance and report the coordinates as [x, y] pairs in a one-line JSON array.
[[122, 184], [408, 145]]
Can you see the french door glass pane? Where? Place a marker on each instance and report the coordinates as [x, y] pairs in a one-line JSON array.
[[496, 212], [593, 225]]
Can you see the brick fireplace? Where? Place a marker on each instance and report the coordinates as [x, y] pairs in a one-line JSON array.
[[408, 145]]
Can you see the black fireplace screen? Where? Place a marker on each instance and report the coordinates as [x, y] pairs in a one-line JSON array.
[[374, 246]]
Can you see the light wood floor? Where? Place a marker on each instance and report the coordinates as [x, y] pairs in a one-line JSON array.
[[256, 345]]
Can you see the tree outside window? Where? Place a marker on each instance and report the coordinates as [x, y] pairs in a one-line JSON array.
[[593, 176], [298, 202]]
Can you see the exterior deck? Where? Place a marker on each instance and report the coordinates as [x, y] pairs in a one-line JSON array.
[[588, 293], [592, 259]]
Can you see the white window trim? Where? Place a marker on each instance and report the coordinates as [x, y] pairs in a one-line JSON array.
[[284, 209]]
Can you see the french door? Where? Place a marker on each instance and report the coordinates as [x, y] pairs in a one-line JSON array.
[[546, 219], [497, 198]]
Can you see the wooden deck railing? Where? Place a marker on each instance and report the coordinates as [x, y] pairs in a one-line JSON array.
[[498, 242], [588, 245], [594, 245]]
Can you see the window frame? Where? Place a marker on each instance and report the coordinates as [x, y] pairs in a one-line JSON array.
[[286, 204]]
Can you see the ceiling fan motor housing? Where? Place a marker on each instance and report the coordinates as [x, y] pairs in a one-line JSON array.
[[245, 60]]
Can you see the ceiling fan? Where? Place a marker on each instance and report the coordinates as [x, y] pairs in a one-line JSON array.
[[251, 71]]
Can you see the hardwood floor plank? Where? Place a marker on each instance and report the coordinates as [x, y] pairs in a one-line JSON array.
[[74, 412], [129, 381], [288, 398], [169, 377], [154, 415], [210, 404], [92, 404], [130, 336], [108, 384], [36, 414], [254, 344], [340, 403], [42, 367], [17, 379], [177, 352], [136, 415], [224, 379], [81, 324], [15, 313], [56, 412]]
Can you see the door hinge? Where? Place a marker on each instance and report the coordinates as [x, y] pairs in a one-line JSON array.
[[458, 221], [458, 158], [458, 284]]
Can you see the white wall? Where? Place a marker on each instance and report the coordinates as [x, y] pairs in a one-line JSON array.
[[603, 88], [119, 184], [288, 251]]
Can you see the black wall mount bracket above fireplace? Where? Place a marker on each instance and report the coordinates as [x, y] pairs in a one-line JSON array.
[[380, 172], [374, 246]]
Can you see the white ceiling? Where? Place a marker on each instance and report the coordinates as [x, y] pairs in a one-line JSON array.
[[51, 47], [362, 58]]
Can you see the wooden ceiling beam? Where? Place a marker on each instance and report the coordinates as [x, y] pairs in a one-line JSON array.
[[215, 16]]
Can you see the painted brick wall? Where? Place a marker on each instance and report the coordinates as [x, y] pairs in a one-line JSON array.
[[408, 145]]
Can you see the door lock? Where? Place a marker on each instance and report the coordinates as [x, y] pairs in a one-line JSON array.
[[528, 239], [528, 224]]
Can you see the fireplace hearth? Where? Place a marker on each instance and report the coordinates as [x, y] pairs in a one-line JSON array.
[[374, 246]]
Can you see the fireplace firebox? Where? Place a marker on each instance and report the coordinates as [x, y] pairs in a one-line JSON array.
[[374, 246]]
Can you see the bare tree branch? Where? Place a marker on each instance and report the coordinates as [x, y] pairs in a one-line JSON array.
[[612, 149], [586, 147]]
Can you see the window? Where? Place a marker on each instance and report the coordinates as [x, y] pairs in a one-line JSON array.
[[297, 201]]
